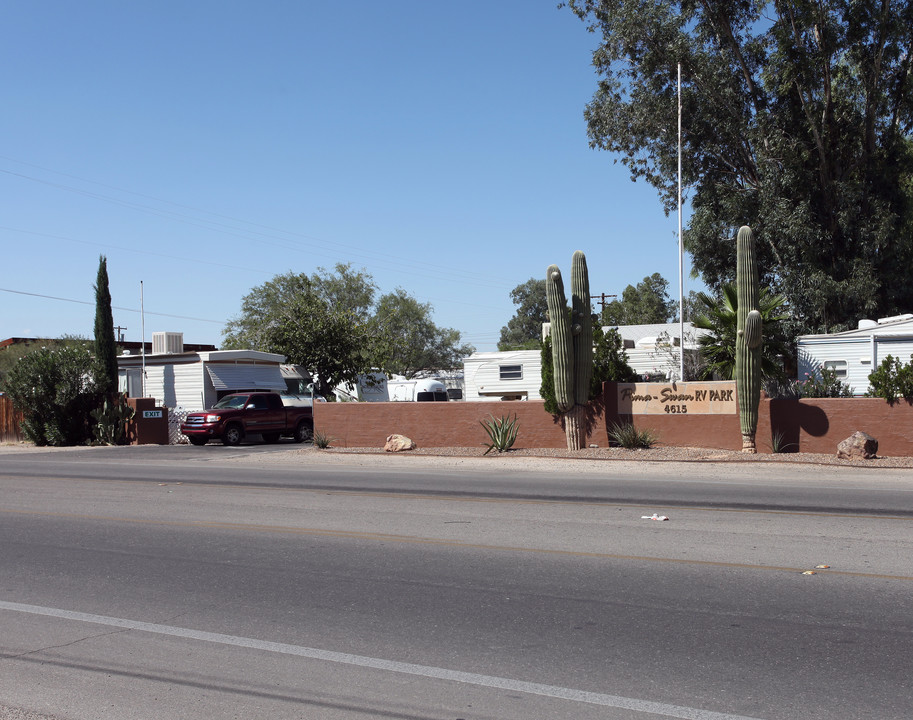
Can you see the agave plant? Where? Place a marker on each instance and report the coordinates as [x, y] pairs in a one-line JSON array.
[[502, 432]]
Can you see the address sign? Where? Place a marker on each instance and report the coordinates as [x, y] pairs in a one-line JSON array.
[[687, 398]]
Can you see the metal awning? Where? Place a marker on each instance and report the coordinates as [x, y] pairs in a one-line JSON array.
[[246, 377]]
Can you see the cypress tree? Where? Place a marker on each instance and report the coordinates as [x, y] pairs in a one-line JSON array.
[[105, 348]]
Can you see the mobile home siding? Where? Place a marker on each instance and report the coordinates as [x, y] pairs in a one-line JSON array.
[[861, 353], [482, 375]]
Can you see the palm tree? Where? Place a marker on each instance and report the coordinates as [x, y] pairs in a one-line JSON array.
[[718, 317]]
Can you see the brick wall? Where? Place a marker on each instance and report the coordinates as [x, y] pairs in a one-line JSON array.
[[450, 424], [808, 425]]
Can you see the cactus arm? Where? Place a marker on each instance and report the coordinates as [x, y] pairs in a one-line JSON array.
[[582, 340], [562, 344]]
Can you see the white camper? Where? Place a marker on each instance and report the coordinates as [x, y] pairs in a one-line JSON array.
[[422, 390], [512, 375]]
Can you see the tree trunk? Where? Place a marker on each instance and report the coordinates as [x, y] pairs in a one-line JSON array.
[[575, 427]]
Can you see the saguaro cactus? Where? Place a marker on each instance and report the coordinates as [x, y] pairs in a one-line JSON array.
[[749, 330], [572, 346]]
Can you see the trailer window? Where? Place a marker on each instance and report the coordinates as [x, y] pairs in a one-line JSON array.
[[511, 372], [838, 366]]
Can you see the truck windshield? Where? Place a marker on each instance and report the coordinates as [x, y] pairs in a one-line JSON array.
[[232, 401]]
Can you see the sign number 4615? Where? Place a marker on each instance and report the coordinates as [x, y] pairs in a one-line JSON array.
[[676, 409]]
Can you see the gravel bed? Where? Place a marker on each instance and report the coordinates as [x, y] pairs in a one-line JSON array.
[[654, 454]]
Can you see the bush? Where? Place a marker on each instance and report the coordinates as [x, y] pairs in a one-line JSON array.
[[892, 380], [824, 384], [321, 441], [54, 389], [627, 436]]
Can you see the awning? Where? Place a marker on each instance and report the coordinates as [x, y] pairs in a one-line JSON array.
[[246, 377]]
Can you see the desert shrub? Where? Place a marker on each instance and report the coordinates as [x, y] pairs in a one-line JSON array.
[[54, 389], [824, 383], [892, 380], [626, 435]]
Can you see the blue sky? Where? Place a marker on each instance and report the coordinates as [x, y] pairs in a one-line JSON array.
[[206, 147]]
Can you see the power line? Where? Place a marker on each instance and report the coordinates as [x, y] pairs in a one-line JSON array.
[[113, 307]]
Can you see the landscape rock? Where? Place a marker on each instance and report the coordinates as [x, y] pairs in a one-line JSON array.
[[398, 443], [858, 446]]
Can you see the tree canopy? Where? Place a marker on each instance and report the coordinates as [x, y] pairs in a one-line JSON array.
[[412, 342], [646, 303], [524, 330], [330, 323], [797, 121]]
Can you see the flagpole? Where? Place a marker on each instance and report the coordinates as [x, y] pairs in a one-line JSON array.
[[142, 315], [681, 244]]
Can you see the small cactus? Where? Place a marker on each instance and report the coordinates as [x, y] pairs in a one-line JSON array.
[[572, 346], [749, 331]]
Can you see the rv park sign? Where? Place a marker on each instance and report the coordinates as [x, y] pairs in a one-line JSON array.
[[684, 398]]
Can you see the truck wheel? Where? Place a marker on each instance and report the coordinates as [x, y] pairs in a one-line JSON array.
[[197, 441], [270, 438], [233, 435], [304, 432]]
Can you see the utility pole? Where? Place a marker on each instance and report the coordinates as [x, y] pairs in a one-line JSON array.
[[601, 299], [120, 335]]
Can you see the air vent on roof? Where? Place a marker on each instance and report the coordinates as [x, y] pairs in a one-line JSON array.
[[895, 318], [167, 343], [866, 324]]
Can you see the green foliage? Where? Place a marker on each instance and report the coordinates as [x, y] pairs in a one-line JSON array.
[[547, 389], [321, 441], [411, 341], [111, 420], [330, 323], [892, 380], [105, 346], [12, 354], [626, 435], [824, 384], [719, 316], [610, 361], [646, 303], [502, 432], [55, 390], [330, 341], [524, 330], [799, 120]]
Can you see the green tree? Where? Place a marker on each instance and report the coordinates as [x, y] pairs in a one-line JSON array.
[[718, 317], [54, 388], [12, 354], [105, 344], [524, 330], [646, 303], [332, 342], [409, 341], [797, 121]]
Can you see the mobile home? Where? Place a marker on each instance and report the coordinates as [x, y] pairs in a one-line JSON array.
[[854, 354]]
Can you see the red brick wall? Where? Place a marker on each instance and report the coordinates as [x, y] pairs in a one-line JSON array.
[[450, 424], [808, 425]]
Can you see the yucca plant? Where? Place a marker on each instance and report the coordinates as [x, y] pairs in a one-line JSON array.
[[626, 435], [501, 431]]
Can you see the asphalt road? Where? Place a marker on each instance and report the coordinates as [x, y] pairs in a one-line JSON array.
[[151, 583]]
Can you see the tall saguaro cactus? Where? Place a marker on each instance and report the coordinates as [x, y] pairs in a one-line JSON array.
[[572, 346], [749, 330]]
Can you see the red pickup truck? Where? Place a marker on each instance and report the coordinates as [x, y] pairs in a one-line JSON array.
[[267, 414]]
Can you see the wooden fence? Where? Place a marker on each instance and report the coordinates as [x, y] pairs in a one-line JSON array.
[[9, 421]]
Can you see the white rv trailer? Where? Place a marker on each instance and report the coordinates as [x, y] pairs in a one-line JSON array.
[[510, 375], [418, 390], [854, 354]]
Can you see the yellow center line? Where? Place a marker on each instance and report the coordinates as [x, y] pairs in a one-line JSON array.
[[439, 542]]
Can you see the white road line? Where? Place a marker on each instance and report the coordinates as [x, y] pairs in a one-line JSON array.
[[488, 681]]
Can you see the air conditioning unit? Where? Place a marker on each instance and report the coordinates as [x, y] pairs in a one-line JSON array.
[[167, 343]]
